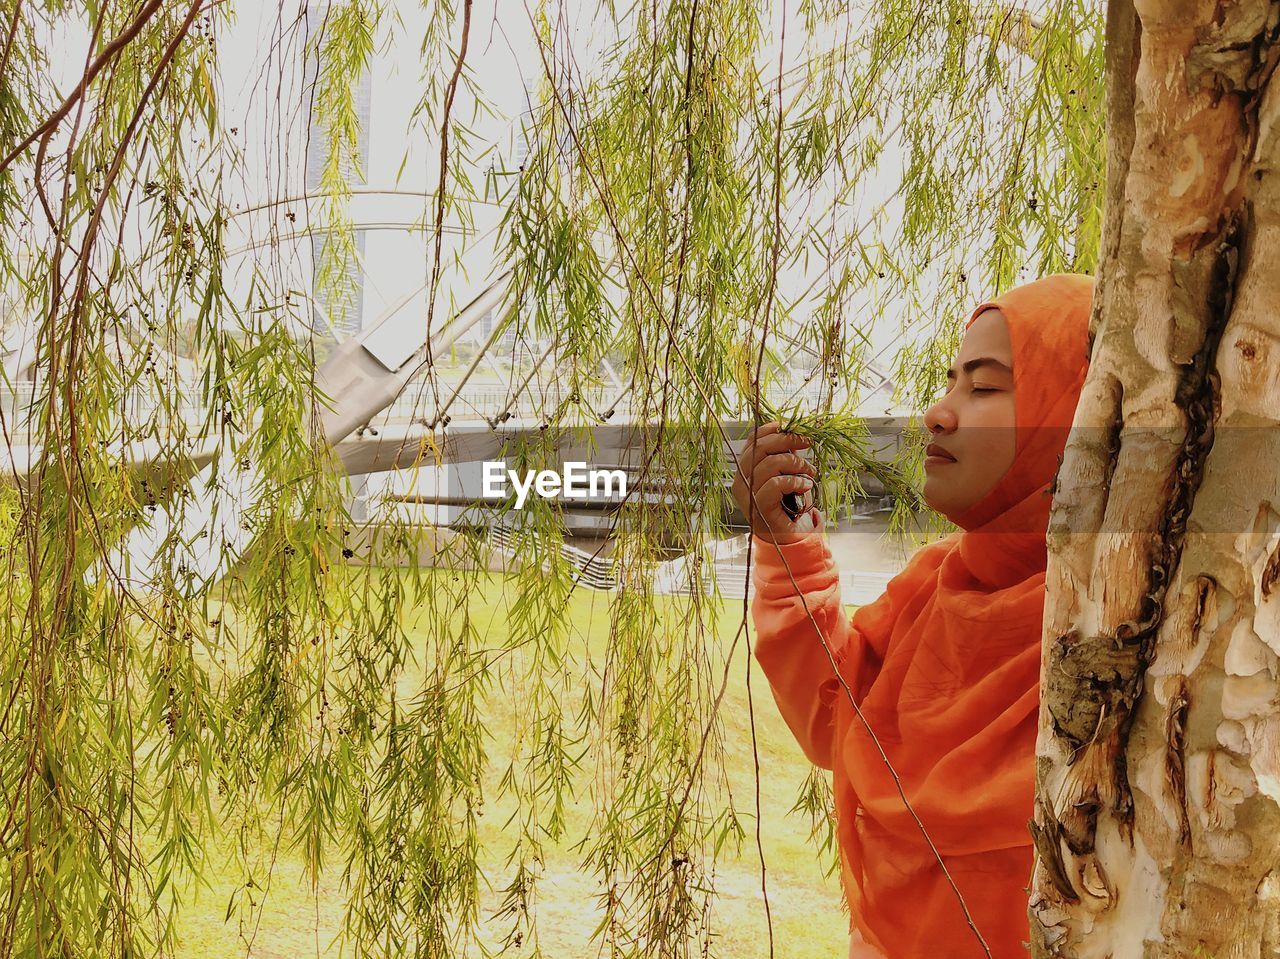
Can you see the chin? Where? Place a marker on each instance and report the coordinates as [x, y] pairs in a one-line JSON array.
[[940, 502]]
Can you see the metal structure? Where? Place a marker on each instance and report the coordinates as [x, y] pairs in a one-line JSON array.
[[376, 426]]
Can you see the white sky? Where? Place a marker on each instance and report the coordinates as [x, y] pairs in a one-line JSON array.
[[501, 57], [261, 99]]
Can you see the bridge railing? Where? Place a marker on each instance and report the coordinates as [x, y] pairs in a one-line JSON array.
[[481, 400]]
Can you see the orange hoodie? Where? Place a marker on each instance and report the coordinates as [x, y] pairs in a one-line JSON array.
[[945, 667]]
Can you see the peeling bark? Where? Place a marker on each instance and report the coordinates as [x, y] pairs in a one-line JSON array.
[[1157, 823]]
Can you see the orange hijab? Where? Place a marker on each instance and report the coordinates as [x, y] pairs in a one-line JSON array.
[[948, 678]]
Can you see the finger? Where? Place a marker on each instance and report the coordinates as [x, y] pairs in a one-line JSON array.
[[795, 460], [769, 489], [743, 466], [750, 453], [767, 442], [775, 486], [768, 470], [810, 521], [796, 504], [764, 429], [777, 442], [769, 499], [785, 496], [748, 448], [780, 463]]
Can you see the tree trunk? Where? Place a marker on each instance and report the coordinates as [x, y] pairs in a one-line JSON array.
[[1157, 827]]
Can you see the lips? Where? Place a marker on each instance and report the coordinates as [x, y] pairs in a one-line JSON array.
[[934, 449]]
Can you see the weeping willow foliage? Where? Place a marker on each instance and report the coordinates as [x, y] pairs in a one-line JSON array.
[[668, 203]]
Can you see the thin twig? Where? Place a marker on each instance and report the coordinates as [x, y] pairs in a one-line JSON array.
[[450, 93], [108, 54], [621, 240]]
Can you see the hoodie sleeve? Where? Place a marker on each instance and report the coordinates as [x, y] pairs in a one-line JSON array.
[[790, 650]]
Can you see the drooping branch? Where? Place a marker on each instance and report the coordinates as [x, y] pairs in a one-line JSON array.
[[112, 50]]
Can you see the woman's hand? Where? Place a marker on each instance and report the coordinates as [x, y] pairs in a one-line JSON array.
[[770, 461]]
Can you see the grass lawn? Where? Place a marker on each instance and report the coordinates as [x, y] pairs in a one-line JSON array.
[[807, 920]]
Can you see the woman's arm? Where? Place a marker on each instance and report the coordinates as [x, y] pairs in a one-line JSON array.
[[788, 648]]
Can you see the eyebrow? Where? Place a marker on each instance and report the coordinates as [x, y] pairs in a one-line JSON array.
[[971, 365]]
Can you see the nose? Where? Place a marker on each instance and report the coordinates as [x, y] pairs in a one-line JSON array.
[[940, 417]]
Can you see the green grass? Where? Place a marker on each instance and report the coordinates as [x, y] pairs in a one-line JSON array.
[[807, 919]]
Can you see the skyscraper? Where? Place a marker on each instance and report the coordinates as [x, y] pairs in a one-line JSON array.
[[329, 318]]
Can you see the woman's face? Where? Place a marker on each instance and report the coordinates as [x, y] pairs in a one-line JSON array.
[[973, 420]]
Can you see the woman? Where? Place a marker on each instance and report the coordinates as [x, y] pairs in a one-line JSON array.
[[945, 665]]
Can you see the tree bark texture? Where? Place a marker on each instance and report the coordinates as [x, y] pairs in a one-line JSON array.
[[1157, 823]]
